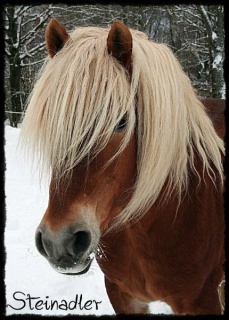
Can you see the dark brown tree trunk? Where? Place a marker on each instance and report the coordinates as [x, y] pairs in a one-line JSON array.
[[213, 20], [15, 70]]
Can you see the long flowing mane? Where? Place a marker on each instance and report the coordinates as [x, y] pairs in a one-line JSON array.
[[83, 92]]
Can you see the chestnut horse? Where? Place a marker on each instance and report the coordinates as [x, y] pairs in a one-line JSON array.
[[136, 173]]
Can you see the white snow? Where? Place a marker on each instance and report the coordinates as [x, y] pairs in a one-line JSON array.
[[214, 35], [28, 274], [223, 92], [217, 61]]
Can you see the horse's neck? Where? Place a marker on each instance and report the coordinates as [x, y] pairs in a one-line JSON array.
[[216, 109]]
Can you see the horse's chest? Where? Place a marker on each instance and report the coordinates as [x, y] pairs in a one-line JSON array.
[[133, 270]]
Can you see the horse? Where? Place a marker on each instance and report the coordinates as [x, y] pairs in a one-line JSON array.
[[135, 160]]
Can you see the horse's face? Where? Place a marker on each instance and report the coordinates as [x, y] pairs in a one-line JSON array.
[[81, 208]]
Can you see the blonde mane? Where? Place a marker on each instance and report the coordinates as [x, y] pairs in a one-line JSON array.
[[82, 93]]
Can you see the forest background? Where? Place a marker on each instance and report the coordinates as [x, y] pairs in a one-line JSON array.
[[195, 33]]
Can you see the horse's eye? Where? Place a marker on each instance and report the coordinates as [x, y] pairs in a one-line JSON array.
[[121, 125]]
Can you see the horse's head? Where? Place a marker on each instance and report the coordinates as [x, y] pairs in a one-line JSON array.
[[82, 203], [117, 126]]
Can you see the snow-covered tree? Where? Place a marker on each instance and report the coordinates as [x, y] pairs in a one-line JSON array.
[[22, 48], [197, 38], [212, 18]]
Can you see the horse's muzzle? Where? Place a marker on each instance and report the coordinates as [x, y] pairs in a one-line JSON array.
[[69, 251]]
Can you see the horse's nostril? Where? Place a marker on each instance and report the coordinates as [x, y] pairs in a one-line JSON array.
[[63, 245], [39, 244], [82, 241]]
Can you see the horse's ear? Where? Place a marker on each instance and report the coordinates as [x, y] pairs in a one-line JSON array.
[[55, 37], [119, 43]]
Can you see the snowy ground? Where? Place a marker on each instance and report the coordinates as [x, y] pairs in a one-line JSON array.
[[28, 275]]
